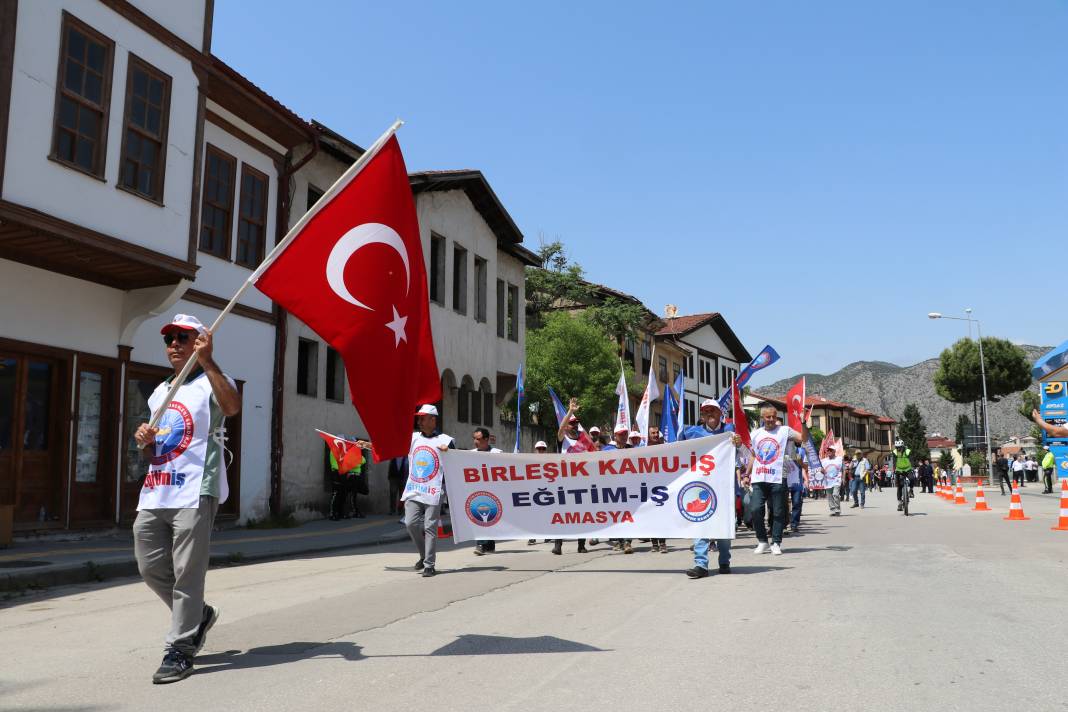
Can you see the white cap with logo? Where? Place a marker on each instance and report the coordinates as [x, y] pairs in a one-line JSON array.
[[711, 403], [186, 322], [428, 409], [540, 443]]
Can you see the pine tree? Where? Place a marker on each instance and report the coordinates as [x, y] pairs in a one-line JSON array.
[[914, 433]]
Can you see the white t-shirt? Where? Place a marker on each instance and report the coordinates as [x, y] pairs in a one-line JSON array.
[[832, 472], [1017, 465], [426, 473], [769, 452]]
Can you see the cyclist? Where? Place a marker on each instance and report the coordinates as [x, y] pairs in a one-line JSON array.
[[902, 469]]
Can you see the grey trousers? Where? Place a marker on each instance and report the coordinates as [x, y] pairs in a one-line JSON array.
[[421, 520], [173, 547], [834, 502]]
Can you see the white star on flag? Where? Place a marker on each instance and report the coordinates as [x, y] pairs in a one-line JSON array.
[[397, 327]]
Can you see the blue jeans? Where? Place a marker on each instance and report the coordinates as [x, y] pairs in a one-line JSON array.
[[855, 487], [797, 498], [700, 552]]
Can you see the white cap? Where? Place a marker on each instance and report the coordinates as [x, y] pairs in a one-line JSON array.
[[620, 428], [427, 409], [540, 443], [635, 434], [710, 403], [595, 429], [184, 321]]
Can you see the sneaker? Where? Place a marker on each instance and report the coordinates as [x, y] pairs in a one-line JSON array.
[[725, 569], [594, 541], [793, 529], [581, 550], [429, 571], [663, 548], [655, 548], [531, 542], [207, 620], [175, 666], [697, 572], [627, 549], [761, 548], [776, 550], [418, 565], [478, 551], [558, 550]]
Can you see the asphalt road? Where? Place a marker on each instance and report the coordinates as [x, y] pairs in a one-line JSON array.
[[949, 610]]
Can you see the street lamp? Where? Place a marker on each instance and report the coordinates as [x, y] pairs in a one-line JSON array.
[[982, 371]]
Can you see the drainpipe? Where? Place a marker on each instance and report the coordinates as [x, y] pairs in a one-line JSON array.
[[286, 172]]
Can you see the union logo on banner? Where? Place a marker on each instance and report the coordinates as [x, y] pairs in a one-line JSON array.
[[483, 508], [697, 501]]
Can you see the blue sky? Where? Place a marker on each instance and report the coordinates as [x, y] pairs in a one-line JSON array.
[[822, 173]]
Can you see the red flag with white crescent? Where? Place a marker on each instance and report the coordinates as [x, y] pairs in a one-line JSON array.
[[347, 454], [355, 274], [795, 405]]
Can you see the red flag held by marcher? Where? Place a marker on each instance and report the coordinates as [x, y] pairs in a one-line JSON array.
[[795, 405], [347, 454], [741, 423], [355, 275]]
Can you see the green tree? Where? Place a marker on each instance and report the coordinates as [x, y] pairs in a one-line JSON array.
[[817, 437], [959, 377], [914, 433], [617, 319], [573, 357], [945, 461], [557, 280]]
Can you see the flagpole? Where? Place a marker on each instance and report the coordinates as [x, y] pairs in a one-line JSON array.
[[336, 188]]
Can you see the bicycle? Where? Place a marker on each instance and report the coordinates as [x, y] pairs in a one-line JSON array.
[[904, 485]]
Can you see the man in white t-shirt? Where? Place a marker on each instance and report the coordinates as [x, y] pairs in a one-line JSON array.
[[765, 473], [425, 486], [184, 486]]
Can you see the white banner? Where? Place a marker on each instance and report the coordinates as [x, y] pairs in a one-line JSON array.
[[684, 490]]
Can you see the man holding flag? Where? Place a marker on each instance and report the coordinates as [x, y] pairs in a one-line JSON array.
[[766, 469]]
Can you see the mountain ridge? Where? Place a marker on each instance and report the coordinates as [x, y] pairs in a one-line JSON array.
[[885, 388]]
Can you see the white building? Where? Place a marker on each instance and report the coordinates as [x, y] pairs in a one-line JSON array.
[[475, 265], [716, 355], [117, 127]]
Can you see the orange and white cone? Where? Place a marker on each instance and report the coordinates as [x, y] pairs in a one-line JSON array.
[[1062, 522], [941, 491], [959, 499], [1016, 506], [980, 500]]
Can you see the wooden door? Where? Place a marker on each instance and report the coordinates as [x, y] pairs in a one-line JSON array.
[[92, 486]]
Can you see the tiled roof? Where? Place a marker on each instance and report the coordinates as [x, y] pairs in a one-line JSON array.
[[941, 443], [684, 324]]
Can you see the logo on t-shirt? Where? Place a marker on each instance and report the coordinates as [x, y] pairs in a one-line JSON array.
[[425, 464], [766, 451], [175, 433]]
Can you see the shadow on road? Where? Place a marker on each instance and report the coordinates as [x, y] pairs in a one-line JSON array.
[[268, 655]]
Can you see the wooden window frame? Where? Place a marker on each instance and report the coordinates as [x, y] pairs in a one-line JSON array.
[[459, 278], [311, 371], [481, 309], [159, 179], [339, 387], [228, 241], [69, 21], [246, 169], [436, 276]]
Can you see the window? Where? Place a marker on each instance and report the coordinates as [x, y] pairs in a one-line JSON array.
[[476, 408], [463, 404], [83, 94], [144, 139], [252, 223], [487, 408], [459, 279], [836, 424], [481, 285], [313, 196], [217, 207], [628, 349], [690, 371], [661, 368], [437, 269], [335, 376], [307, 367], [674, 372], [513, 312], [647, 355], [690, 413], [500, 309], [816, 422]]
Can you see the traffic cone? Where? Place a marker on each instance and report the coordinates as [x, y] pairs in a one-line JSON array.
[[960, 495], [980, 500], [444, 530], [946, 493], [1016, 506], [1062, 522]]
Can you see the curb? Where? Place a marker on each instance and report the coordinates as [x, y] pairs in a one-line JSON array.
[[89, 572]]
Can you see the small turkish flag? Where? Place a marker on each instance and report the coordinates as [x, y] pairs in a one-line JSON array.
[[795, 405], [347, 454], [355, 275]]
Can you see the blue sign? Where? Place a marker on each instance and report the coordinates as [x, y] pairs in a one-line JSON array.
[[1051, 364], [1060, 456], [1054, 408]]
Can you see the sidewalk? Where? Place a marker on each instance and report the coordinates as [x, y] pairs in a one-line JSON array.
[[38, 564]]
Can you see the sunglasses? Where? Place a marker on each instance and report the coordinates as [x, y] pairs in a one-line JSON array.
[[181, 336]]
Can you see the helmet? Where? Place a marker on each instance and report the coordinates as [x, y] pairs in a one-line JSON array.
[[899, 443]]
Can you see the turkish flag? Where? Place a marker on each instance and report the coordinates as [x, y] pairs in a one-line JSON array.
[[795, 405], [347, 454], [355, 274], [741, 422]]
